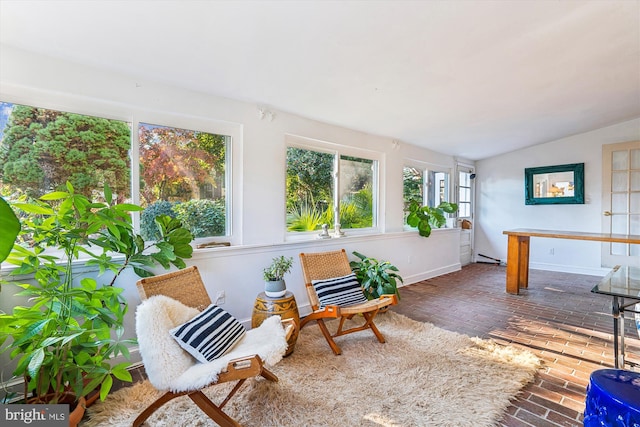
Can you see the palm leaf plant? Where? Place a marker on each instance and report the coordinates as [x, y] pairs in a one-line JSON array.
[[64, 340]]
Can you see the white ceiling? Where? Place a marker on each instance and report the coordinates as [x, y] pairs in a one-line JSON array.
[[467, 78]]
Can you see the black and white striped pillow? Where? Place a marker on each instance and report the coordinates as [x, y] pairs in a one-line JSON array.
[[210, 334], [339, 291]]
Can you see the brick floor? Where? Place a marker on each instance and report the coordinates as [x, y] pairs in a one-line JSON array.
[[557, 318]]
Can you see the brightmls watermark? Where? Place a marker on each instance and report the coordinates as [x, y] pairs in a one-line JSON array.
[[34, 415]]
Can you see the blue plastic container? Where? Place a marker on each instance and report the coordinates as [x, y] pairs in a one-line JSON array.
[[613, 399]]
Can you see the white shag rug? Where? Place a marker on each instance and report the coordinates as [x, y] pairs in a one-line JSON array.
[[422, 376]]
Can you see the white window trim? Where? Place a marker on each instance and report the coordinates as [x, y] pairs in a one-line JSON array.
[[430, 167], [134, 116], [463, 167], [334, 148]]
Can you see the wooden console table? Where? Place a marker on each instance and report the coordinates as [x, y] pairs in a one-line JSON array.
[[518, 250]]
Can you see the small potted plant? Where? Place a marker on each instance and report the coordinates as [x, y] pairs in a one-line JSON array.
[[376, 277], [274, 285]]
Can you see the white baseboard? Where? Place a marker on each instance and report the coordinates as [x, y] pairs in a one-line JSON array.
[[415, 278], [589, 271]]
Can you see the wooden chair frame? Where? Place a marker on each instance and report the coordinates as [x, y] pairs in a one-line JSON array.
[[326, 265], [187, 287]]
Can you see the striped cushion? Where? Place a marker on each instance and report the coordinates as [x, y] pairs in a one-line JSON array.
[[210, 334], [339, 291]]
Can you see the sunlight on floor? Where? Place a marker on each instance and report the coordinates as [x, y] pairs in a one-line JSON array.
[[381, 420]]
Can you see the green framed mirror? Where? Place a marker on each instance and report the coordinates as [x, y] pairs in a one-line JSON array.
[[552, 185]]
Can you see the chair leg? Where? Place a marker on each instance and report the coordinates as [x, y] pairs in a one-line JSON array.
[[327, 335], [232, 392], [267, 374], [369, 317], [215, 413], [154, 407]]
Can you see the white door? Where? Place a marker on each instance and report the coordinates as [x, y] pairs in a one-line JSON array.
[[621, 201], [465, 199]]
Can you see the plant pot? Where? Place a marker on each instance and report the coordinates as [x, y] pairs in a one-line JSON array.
[[75, 414], [275, 288]]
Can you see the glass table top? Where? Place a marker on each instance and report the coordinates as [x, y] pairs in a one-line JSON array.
[[622, 281]]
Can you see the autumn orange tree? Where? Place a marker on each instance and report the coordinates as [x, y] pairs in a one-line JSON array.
[[175, 162]]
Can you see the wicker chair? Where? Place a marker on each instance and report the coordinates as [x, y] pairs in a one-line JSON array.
[[326, 265], [186, 286]]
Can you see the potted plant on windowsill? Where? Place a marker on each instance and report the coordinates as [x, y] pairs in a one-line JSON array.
[[424, 218], [376, 277], [66, 337], [274, 284]]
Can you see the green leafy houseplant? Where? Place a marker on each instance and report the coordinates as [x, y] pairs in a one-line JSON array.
[[10, 226], [64, 340], [277, 269], [424, 218], [376, 277]]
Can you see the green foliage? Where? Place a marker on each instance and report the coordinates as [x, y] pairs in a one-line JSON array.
[[412, 185], [9, 229], [202, 217], [68, 334], [305, 218], [376, 277], [148, 228], [310, 191], [42, 149], [424, 218], [277, 269], [309, 177], [356, 211]]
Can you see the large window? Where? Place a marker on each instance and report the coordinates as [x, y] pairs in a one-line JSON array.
[[429, 187], [319, 180], [182, 173]]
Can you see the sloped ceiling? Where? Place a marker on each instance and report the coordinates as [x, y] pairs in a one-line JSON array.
[[468, 78]]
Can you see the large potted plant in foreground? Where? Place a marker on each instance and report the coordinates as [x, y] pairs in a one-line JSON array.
[[72, 327]]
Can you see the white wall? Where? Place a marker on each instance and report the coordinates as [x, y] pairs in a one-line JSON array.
[[500, 201], [259, 168]]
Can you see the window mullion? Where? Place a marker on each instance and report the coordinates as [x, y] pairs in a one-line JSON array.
[[336, 191]]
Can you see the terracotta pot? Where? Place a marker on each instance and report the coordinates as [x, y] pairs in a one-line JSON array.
[[77, 412], [76, 415]]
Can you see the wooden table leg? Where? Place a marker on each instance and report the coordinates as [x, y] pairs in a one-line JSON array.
[[517, 263], [523, 259]]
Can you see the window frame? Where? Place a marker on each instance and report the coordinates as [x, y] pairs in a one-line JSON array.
[[338, 150], [427, 169], [134, 117], [232, 165], [461, 167]]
